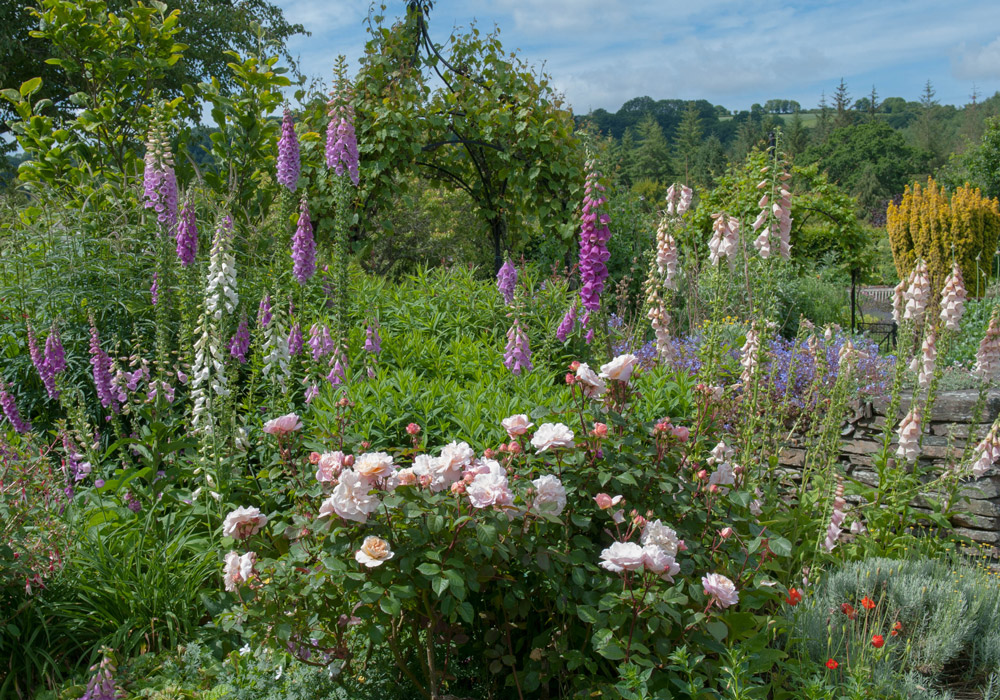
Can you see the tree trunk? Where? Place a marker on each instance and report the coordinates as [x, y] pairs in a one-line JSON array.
[[498, 232]]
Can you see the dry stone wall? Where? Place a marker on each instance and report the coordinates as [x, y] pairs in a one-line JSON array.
[[944, 441]]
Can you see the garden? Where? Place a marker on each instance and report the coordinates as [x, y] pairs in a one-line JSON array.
[[414, 389]]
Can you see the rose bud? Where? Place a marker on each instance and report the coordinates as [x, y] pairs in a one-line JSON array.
[[574, 365], [314, 458], [412, 429], [348, 460], [726, 532]]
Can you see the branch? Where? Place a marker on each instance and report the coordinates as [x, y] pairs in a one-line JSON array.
[[450, 175], [464, 142]]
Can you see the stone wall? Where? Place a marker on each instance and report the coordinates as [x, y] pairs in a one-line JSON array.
[[977, 518]]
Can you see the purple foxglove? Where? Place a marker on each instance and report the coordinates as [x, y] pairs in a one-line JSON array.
[[341, 141], [373, 341], [264, 311], [517, 355], [100, 363], [187, 235], [45, 371], [320, 341], [507, 282], [9, 406], [594, 236], [288, 154], [295, 340], [154, 290], [567, 324], [239, 344], [55, 355], [303, 246], [158, 179]]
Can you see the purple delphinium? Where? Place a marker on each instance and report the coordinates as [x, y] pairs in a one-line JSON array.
[[187, 235], [42, 366], [507, 282], [594, 235], [320, 341], [159, 182], [341, 141], [517, 355], [100, 362], [295, 340], [288, 154], [9, 406], [373, 341], [567, 324], [264, 311], [239, 344], [303, 246]]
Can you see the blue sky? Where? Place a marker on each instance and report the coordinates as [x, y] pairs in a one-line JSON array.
[[601, 53]]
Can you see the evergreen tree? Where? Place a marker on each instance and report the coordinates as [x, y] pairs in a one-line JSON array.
[[625, 155], [927, 129], [872, 103], [688, 141], [711, 162], [842, 102], [797, 138], [823, 126], [652, 157]]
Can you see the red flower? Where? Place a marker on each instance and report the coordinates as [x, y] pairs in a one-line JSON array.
[[794, 596], [897, 628], [848, 610], [877, 641], [832, 665], [867, 603]]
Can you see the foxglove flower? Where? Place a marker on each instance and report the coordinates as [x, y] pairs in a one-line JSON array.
[[917, 294], [898, 302], [373, 341], [779, 214], [678, 199], [666, 255], [276, 354], [264, 311], [55, 355], [187, 235], [158, 179], [567, 324], [594, 236], [987, 454], [154, 290], [988, 356], [748, 355], [220, 291], [659, 319], [835, 527], [303, 246], [909, 436], [953, 299], [101, 685], [725, 238], [507, 282], [295, 340], [100, 363], [9, 406], [928, 356], [517, 355], [320, 341], [288, 154], [239, 344], [42, 366], [341, 141]]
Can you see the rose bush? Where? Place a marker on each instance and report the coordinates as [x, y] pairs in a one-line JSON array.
[[518, 555]]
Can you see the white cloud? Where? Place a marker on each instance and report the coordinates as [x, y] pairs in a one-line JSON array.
[[977, 62]]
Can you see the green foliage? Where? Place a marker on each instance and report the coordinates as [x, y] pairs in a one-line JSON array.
[[872, 154], [944, 615], [492, 128], [117, 61]]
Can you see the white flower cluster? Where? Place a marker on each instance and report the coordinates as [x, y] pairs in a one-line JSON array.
[[780, 226], [276, 354], [220, 292], [953, 298], [666, 254], [678, 199], [725, 237], [988, 356], [917, 294], [909, 436]]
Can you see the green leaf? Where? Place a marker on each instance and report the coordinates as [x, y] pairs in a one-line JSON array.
[[439, 586], [29, 87]]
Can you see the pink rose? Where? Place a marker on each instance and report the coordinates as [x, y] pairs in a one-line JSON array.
[[243, 522], [516, 425], [600, 430], [623, 556], [604, 501], [283, 425], [720, 589], [412, 429]]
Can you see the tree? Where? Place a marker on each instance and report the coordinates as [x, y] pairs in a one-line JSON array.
[[652, 158], [823, 126], [210, 28], [930, 225], [797, 137], [466, 115], [850, 149], [842, 103], [927, 128], [688, 141], [625, 156]]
